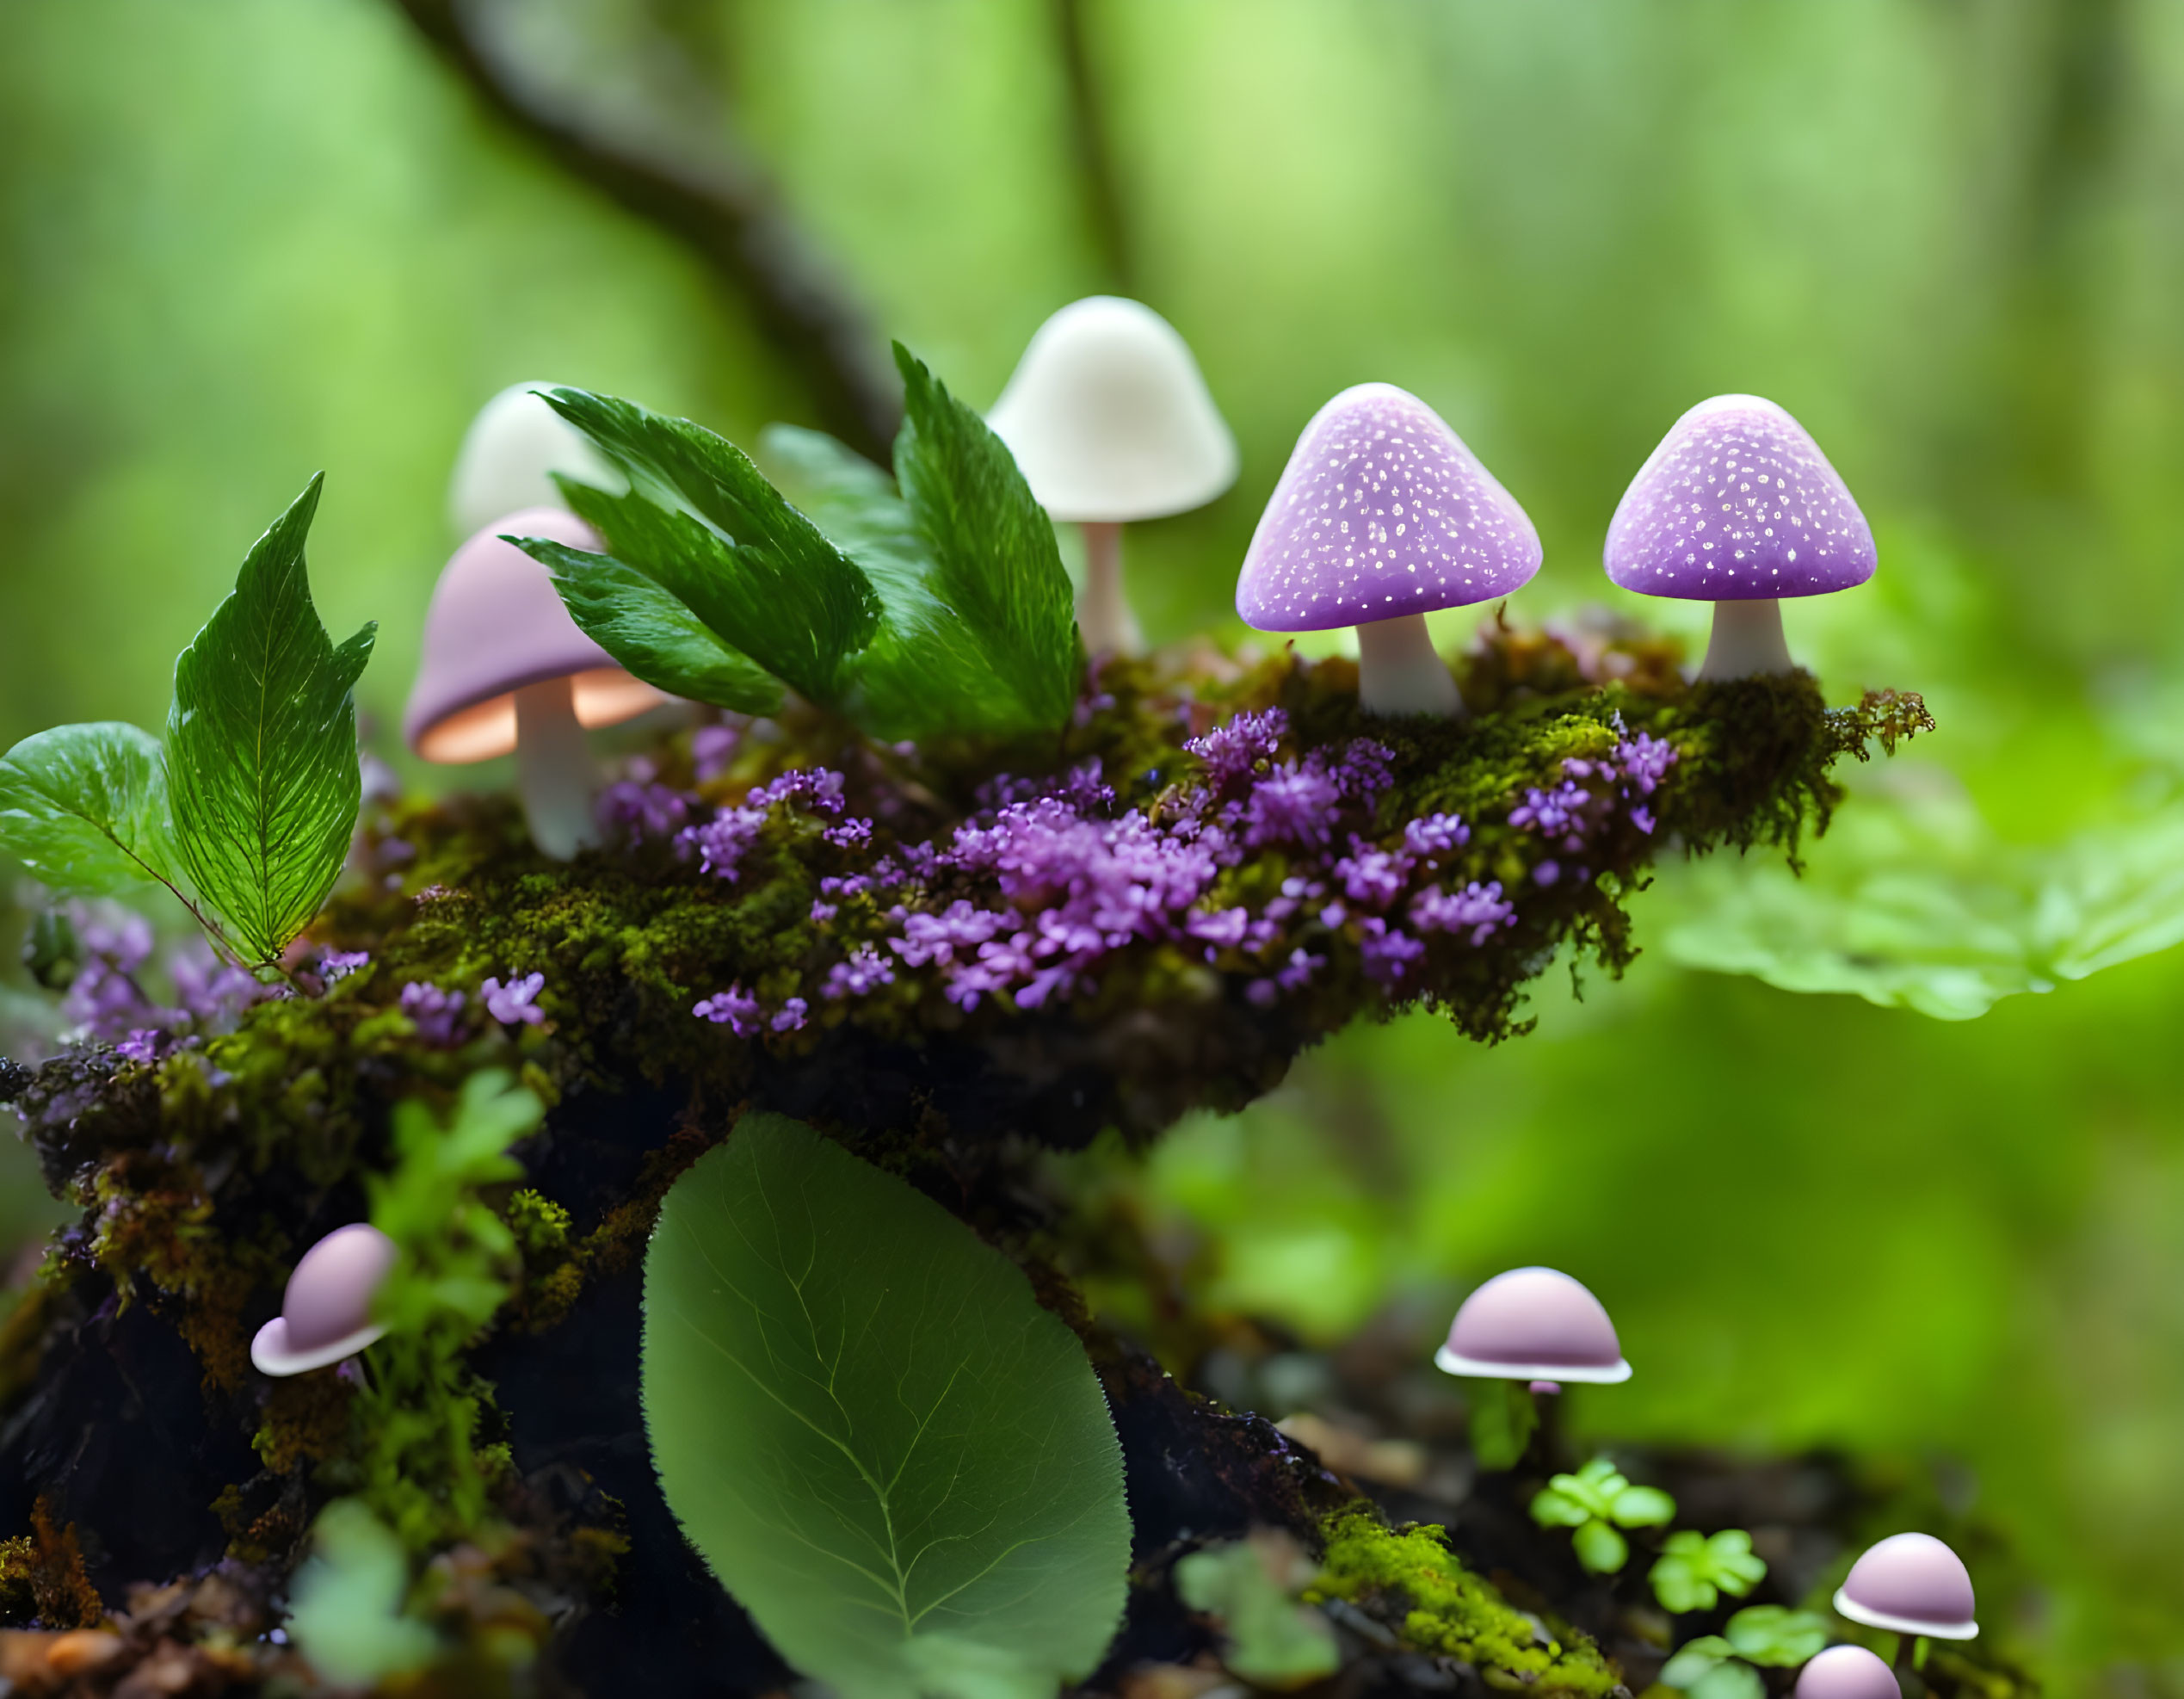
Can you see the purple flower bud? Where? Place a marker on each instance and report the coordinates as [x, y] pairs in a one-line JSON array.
[[434, 1012], [514, 1004]]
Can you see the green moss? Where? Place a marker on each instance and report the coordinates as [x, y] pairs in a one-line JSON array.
[[1408, 1576]]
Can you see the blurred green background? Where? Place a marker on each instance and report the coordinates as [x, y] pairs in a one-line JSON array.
[[242, 240]]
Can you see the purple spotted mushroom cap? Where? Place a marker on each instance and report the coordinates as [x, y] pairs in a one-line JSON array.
[[326, 1313], [1533, 1324], [1910, 1584], [1381, 512], [1738, 505], [1847, 1673]]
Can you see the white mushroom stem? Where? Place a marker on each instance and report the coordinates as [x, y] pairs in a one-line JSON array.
[[1747, 641], [1398, 672], [1103, 613], [553, 769]]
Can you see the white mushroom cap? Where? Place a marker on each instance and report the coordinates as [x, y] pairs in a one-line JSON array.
[[1910, 1584], [512, 448], [326, 1313], [1109, 419]]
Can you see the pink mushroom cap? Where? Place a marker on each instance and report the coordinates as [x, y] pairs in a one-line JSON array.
[[1533, 1324], [1847, 1673], [497, 623], [326, 1313], [1910, 1584]]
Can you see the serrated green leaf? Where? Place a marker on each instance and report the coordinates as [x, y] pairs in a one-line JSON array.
[[1775, 1635], [259, 763], [700, 520], [651, 632], [995, 566], [1600, 1548], [82, 808], [872, 1432], [853, 502]]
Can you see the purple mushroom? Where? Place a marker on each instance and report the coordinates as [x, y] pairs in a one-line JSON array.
[[1847, 1673], [1912, 1584], [505, 668], [1738, 506], [1534, 1325], [1382, 516], [326, 1313]]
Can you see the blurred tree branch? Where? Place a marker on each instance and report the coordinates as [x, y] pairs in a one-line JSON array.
[[1093, 145], [721, 207]]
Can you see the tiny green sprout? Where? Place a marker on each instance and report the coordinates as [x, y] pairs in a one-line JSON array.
[[1695, 1569], [1595, 1502], [1719, 1666], [1270, 1639]]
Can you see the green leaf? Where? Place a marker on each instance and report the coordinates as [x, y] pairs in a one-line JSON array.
[[1642, 1507], [348, 1615], [853, 502], [261, 764], [1730, 1680], [1600, 1548], [872, 1432], [1553, 1508], [995, 566], [700, 520], [651, 632], [1695, 1658], [1272, 1642], [1694, 1569], [1504, 1416], [81, 808], [1775, 1635]]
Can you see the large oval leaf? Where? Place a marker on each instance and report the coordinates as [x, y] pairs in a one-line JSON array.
[[897, 1461]]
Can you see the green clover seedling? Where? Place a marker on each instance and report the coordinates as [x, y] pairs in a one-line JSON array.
[[1695, 1569], [1719, 1666], [1595, 1503]]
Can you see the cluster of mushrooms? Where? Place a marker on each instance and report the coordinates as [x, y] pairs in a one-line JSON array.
[[1533, 1324], [1542, 1327], [1382, 516]]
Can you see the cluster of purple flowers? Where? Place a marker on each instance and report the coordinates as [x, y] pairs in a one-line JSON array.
[[1571, 814], [1026, 900], [108, 1001]]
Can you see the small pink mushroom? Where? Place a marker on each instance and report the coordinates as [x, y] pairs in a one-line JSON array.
[[1533, 1324], [1847, 1673], [1912, 1584], [505, 668], [326, 1313]]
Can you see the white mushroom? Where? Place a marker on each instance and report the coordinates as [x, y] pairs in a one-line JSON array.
[[1110, 421], [509, 457]]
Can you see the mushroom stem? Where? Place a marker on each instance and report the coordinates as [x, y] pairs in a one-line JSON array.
[[1398, 672], [1747, 641], [1103, 613], [553, 771]]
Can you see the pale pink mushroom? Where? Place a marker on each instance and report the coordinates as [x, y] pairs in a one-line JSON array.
[[504, 668], [1534, 1325], [1847, 1673], [1912, 1584], [326, 1313]]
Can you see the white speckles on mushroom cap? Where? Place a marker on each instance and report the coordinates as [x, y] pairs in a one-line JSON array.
[[1108, 418], [1382, 511], [1738, 505], [1910, 1584], [326, 1313], [1847, 1673], [1533, 1324], [509, 457]]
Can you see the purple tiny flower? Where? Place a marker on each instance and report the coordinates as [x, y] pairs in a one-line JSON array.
[[1387, 950], [1642, 818], [433, 1011], [1301, 966], [791, 1015], [823, 912], [712, 748], [735, 1009], [866, 970], [850, 834], [1435, 835], [639, 808], [1087, 706], [143, 1046], [1262, 993], [1480, 910], [1373, 877], [1547, 872], [212, 993], [1224, 927], [1333, 915], [1364, 769], [1290, 804], [335, 966], [1230, 750], [1646, 761], [724, 840], [514, 1004]]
